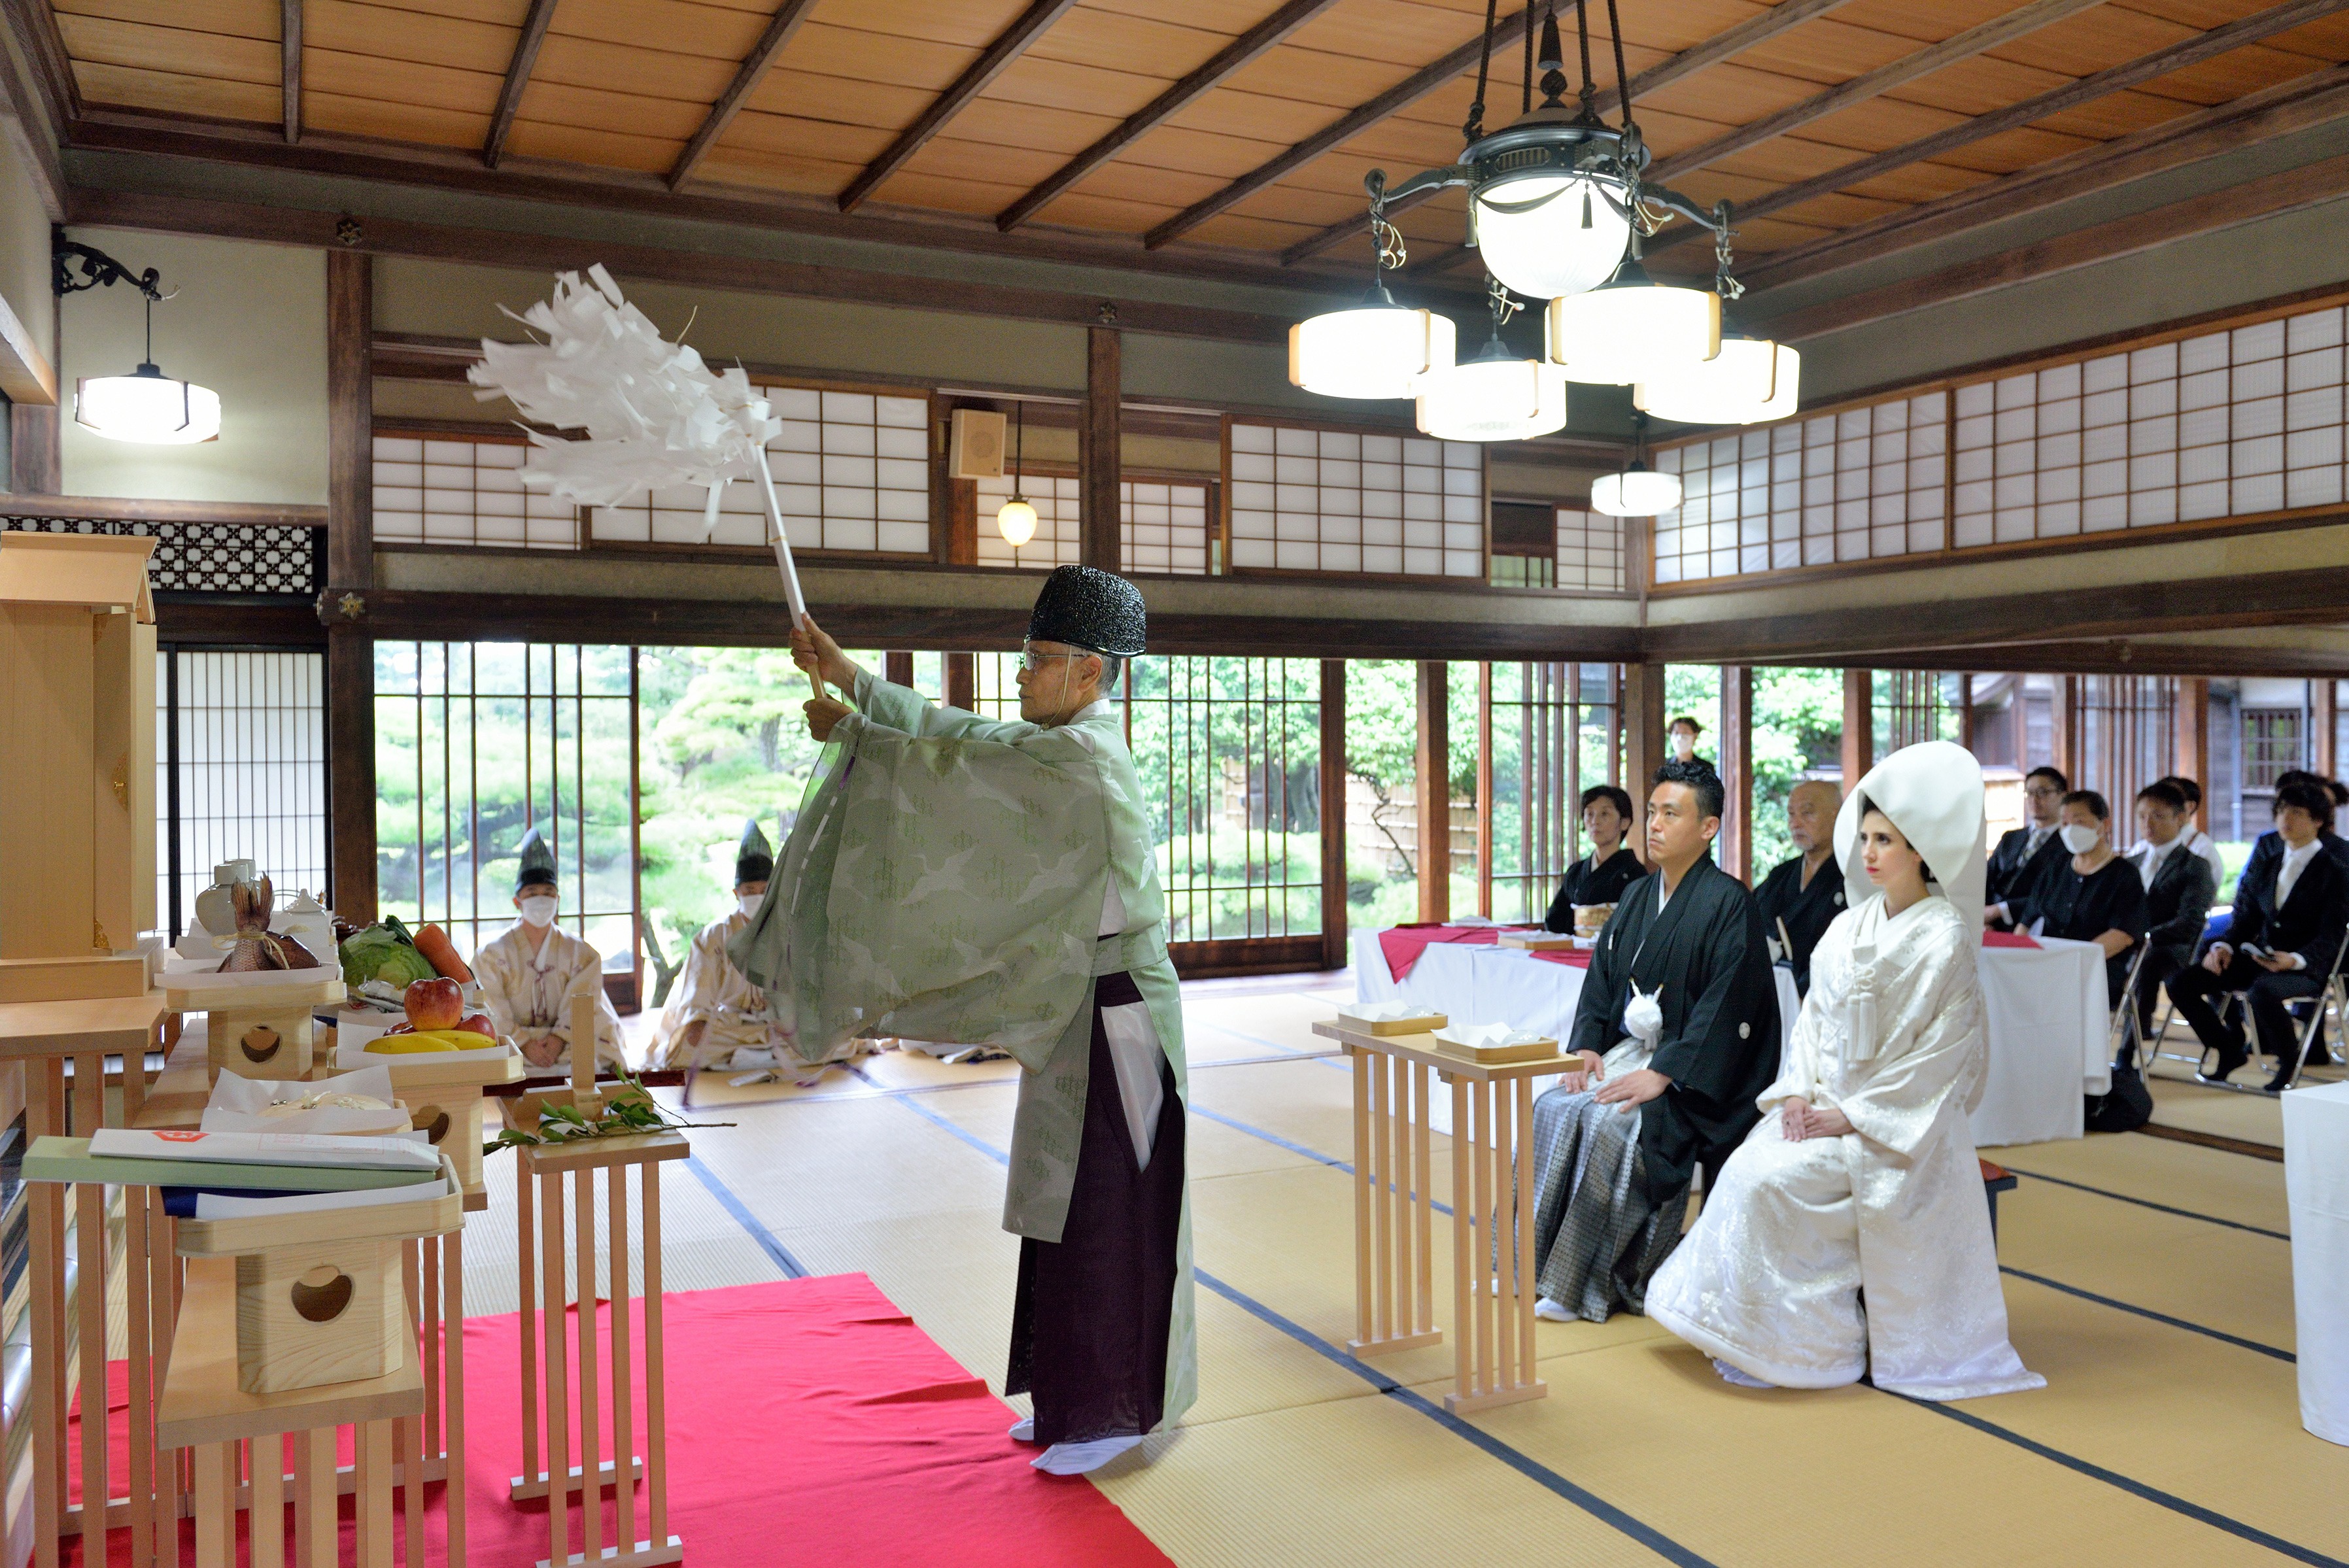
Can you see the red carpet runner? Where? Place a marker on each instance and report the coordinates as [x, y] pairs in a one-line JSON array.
[[809, 1422]]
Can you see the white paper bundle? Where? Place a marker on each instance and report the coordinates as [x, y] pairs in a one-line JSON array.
[[242, 1105], [222, 1206], [401, 1152], [1485, 1036], [1384, 1012]]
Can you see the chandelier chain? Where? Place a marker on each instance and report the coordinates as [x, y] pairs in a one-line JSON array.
[[1582, 37], [1622, 81], [1505, 303], [1727, 287], [1474, 127]]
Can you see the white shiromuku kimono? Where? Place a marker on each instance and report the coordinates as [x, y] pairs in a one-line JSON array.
[[712, 991], [1769, 1281], [529, 995]]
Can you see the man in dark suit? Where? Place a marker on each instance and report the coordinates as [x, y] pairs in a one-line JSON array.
[[2179, 887], [2291, 910], [2030, 852]]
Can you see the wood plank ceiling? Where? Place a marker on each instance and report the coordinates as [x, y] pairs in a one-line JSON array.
[[1243, 126]]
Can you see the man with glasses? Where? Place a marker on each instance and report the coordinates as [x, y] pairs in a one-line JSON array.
[[2028, 854], [957, 879]]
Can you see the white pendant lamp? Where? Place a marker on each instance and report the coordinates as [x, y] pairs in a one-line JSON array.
[[1544, 236], [147, 407], [1016, 519], [1379, 349], [1749, 381], [1637, 491], [1634, 329], [1493, 398]]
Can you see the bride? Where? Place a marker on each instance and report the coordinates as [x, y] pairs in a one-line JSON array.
[[1865, 1178]]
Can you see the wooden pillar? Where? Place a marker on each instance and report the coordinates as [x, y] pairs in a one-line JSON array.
[[1334, 813], [1098, 510], [1966, 711], [1859, 726], [897, 669], [1485, 790], [33, 429], [962, 681], [350, 572], [2067, 727], [1431, 788], [2322, 695], [2193, 742], [1737, 768], [1643, 742]]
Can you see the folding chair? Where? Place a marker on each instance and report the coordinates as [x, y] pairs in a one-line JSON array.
[[2121, 1033], [2314, 1008], [2166, 1011]]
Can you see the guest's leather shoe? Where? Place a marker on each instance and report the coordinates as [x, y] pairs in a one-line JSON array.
[[2230, 1059]]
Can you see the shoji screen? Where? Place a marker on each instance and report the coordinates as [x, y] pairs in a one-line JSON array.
[[1307, 500]]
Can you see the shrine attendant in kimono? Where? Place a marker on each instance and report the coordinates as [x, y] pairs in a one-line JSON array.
[[954, 878], [1849, 1235], [529, 973], [716, 1017]]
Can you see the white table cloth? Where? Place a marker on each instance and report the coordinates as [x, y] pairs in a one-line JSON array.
[[2316, 1185], [2048, 1025]]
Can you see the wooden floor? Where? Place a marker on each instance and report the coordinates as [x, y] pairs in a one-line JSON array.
[[2148, 1279]]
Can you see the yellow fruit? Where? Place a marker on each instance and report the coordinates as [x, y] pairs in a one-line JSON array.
[[410, 1044], [469, 1040]]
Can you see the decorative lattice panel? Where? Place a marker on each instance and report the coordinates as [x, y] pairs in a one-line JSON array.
[[208, 557]]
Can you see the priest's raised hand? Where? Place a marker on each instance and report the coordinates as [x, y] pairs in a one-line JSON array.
[[823, 713], [813, 650]]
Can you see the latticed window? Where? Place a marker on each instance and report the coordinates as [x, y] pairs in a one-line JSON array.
[[1550, 731], [465, 490], [2272, 746], [2127, 725], [1306, 499]]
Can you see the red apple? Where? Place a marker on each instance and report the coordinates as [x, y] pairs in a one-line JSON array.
[[434, 1003], [479, 1023]]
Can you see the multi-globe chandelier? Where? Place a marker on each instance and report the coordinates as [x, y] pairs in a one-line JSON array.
[[1558, 210]]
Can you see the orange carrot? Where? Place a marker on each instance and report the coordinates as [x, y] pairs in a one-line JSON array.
[[441, 954]]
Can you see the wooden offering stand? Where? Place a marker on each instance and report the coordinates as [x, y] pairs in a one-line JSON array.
[[259, 1028], [539, 1224], [1492, 1210]]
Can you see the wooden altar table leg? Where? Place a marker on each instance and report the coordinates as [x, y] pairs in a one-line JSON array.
[[1381, 1204], [215, 1505], [136, 1232], [452, 1285], [1399, 1177], [265, 1521], [161, 1286], [428, 1327], [590, 1480], [90, 1291], [1424, 1076], [1502, 1154], [1463, 1223], [624, 1430], [1365, 1063], [655, 1388], [1504, 1336], [317, 1496], [371, 1499], [1524, 1251], [558, 1411], [527, 1262]]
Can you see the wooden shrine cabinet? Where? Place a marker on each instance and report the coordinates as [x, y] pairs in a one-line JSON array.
[[77, 765]]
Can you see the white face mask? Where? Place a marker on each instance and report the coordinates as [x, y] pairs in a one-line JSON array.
[[1683, 744], [749, 903], [538, 912], [2079, 838]]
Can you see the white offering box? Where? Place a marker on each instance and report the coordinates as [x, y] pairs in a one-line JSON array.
[[2317, 1184]]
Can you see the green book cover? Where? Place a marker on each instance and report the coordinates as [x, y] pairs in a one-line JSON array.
[[70, 1160]]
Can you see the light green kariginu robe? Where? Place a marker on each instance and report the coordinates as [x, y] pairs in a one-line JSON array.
[[944, 882]]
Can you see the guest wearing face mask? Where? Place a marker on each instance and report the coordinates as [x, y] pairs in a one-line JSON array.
[[716, 1017], [1682, 733], [2095, 896], [2290, 909], [529, 973]]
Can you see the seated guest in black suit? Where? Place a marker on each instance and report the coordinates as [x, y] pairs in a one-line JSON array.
[[1600, 876], [2179, 889], [2291, 908], [2027, 853], [2196, 839], [2094, 895], [1682, 733], [1795, 898]]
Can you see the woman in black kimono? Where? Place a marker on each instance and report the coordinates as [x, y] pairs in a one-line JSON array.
[[1611, 867], [2097, 897]]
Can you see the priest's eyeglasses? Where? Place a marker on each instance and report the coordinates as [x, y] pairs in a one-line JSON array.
[[1032, 658]]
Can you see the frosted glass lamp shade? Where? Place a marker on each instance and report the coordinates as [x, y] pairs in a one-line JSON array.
[[1547, 235], [1016, 521], [148, 407], [1749, 381], [1634, 330], [1377, 351], [1637, 492], [1493, 400]]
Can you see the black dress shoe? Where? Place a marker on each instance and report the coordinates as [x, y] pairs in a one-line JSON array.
[[2228, 1060]]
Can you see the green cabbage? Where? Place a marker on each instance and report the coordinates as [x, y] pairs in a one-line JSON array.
[[384, 951]]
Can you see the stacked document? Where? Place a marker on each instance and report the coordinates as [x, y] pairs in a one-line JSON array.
[[234, 1175]]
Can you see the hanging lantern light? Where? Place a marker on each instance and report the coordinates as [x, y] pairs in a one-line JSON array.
[[1016, 519], [1634, 329], [1379, 348], [1496, 396], [1750, 381], [1543, 235], [1637, 491], [146, 406]]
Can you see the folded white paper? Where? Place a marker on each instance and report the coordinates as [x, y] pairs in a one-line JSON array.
[[237, 1105], [406, 1152], [221, 1206], [1486, 1036], [1385, 1012]]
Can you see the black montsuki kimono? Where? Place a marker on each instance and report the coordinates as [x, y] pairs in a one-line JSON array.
[[1807, 912], [1720, 1039], [1586, 883]]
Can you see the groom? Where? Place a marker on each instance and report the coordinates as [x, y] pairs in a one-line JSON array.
[[1678, 1033]]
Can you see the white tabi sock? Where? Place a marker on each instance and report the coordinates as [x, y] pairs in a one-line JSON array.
[[1736, 1379], [1549, 1311], [1023, 1430], [1082, 1459]]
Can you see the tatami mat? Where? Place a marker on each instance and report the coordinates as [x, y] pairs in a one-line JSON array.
[[2148, 1280]]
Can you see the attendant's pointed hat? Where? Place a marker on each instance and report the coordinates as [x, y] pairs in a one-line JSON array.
[[754, 860], [537, 863], [1088, 608]]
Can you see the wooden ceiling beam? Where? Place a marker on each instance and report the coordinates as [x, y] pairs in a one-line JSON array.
[[2128, 74], [1723, 45], [2279, 110], [1872, 83], [747, 76], [518, 69], [35, 23], [1292, 15], [33, 137], [750, 274], [2287, 190], [1030, 26], [289, 61]]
